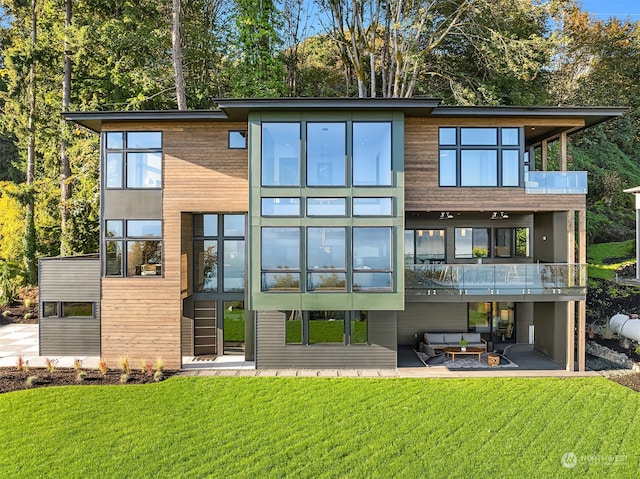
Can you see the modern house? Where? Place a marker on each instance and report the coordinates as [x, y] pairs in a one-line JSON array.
[[327, 232]]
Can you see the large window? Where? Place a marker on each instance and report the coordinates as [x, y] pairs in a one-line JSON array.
[[480, 157], [326, 151], [467, 239], [219, 236], [495, 321], [280, 255], [498, 242], [142, 241], [326, 259], [372, 259], [424, 246], [133, 159], [326, 327], [280, 154], [371, 154]]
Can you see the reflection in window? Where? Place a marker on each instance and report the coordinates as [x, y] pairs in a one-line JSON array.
[[503, 243], [280, 154], [144, 170], [522, 243], [466, 239], [280, 207], [293, 326], [115, 140], [49, 309], [206, 265], [144, 140], [478, 136], [510, 136], [372, 259], [114, 229], [237, 139], [234, 262], [205, 225], [326, 326], [280, 248], [233, 225], [326, 150], [372, 207], [430, 246], [338, 327], [510, 168], [114, 258], [114, 170], [233, 323], [144, 258], [447, 168], [371, 154], [358, 327], [78, 309], [326, 207], [478, 168], [447, 136], [326, 259], [144, 228], [409, 247]]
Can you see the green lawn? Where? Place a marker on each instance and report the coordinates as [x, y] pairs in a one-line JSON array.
[[623, 252], [321, 428]]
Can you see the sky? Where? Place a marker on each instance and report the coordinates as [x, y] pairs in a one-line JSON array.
[[603, 9]]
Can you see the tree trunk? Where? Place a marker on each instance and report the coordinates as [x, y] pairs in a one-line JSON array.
[[30, 233], [65, 168], [177, 56]]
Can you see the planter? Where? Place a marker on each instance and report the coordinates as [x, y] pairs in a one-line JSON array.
[[463, 348], [479, 260]]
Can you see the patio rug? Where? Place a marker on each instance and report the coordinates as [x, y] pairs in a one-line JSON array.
[[463, 362]]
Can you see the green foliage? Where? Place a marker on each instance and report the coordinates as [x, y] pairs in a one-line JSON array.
[[10, 281], [315, 418]]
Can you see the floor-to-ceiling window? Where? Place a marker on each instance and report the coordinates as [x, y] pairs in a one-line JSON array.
[[494, 320]]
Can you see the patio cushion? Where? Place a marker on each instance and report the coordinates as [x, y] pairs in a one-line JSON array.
[[434, 338], [452, 338], [472, 337]]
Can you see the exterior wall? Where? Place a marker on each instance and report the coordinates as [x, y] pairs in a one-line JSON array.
[[418, 318], [524, 319], [422, 192], [551, 329], [550, 237], [142, 317], [70, 279], [272, 352]]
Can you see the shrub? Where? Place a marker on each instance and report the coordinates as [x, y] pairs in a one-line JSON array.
[[158, 376], [159, 365], [607, 332], [22, 365], [102, 366], [77, 364], [32, 380], [124, 378], [80, 376], [50, 364], [125, 366], [146, 367]]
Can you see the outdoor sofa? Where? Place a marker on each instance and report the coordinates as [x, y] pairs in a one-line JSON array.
[[452, 340]]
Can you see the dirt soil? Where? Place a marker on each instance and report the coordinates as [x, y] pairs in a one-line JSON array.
[[12, 379], [23, 310]]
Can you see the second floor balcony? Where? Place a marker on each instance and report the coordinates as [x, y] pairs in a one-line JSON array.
[[496, 279], [556, 182]]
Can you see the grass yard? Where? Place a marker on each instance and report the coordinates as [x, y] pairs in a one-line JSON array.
[[323, 428], [605, 258]]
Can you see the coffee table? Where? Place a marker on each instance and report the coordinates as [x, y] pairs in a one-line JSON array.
[[451, 352]]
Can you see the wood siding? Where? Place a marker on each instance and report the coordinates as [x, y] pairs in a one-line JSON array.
[[422, 192], [418, 318], [142, 317], [272, 352]]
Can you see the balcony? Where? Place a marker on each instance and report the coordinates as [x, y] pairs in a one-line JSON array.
[[556, 182], [496, 279]]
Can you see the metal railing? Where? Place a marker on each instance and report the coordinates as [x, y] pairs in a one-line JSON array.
[[556, 182], [496, 279]]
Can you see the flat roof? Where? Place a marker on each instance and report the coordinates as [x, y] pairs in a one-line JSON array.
[[238, 109]]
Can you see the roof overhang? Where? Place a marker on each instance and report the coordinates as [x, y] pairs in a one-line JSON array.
[[93, 120], [238, 109]]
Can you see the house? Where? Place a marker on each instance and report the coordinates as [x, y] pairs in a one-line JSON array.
[[326, 232]]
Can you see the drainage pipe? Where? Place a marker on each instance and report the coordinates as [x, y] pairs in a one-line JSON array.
[[624, 326]]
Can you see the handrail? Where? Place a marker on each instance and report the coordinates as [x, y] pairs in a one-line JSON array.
[[556, 182]]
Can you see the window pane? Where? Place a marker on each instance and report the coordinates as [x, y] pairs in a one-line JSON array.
[[293, 327], [502, 247], [206, 266], [463, 242], [281, 248], [409, 247], [478, 136], [49, 309], [280, 281], [234, 265], [510, 136], [233, 225], [326, 150], [326, 248], [144, 228], [448, 168], [144, 170], [359, 327], [478, 168], [237, 139], [114, 170], [372, 248], [372, 281], [371, 154], [326, 326], [205, 225], [326, 207], [480, 317], [510, 168], [280, 206], [114, 258], [144, 258], [447, 136], [430, 246], [233, 323], [372, 207], [522, 242], [77, 309], [280, 154], [114, 229], [481, 238], [144, 139], [327, 281], [115, 140]]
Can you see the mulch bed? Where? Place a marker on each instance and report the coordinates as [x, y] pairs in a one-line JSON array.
[[12, 379], [632, 381]]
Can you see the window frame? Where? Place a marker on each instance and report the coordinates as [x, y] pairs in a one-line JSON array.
[[243, 134], [60, 310], [123, 242], [124, 150], [348, 333]]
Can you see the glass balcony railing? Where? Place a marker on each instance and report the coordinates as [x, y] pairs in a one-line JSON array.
[[496, 279], [556, 182]]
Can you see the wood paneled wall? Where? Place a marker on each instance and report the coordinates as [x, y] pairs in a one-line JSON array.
[[422, 192], [141, 317]]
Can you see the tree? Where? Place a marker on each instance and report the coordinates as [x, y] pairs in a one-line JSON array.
[[177, 55]]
